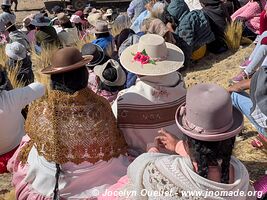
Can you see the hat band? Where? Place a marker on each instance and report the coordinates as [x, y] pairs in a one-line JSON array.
[[199, 129]]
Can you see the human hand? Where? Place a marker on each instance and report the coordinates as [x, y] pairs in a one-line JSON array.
[[168, 140], [234, 88], [153, 150]]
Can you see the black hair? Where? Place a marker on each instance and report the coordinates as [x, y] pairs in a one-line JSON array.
[[109, 74], [43, 12], [11, 28], [102, 35], [30, 27], [56, 195], [79, 26], [67, 25], [70, 81], [207, 154], [6, 8], [125, 33]]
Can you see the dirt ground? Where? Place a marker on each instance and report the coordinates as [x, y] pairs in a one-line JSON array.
[[212, 69]]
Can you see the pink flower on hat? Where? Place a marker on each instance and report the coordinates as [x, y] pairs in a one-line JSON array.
[[137, 56], [143, 58]]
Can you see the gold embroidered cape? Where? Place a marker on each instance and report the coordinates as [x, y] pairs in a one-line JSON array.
[[73, 128]]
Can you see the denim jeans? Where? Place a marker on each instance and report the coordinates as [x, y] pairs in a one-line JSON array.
[[258, 55], [243, 103]]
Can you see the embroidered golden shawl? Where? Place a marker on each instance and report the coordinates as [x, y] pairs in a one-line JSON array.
[[73, 128]]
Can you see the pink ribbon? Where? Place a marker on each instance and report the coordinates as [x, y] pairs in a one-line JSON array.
[[199, 129]]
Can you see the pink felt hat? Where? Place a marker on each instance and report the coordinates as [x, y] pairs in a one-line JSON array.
[[208, 114]]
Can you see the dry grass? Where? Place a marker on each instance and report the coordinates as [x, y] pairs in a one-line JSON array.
[[213, 68], [41, 61], [3, 56], [88, 39], [12, 75], [233, 34]]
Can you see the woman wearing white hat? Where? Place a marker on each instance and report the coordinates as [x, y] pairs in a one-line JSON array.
[[149, 105]]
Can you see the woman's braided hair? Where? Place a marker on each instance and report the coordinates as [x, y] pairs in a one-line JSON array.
[[207, 154]]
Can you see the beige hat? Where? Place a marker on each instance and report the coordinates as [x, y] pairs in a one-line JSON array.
[[121, 76], [163, 58], [154, 26], [94, 17], [109, 12], [101, 27], [62, 18]]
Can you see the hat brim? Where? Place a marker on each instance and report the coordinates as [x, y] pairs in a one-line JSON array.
[[231, 132], [58, 70], [94, 31], [11, 54], [99, 60], [174, 61], [121, 76], [35, 23]]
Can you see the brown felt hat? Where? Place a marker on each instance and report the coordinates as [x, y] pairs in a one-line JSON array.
[[65, 60]]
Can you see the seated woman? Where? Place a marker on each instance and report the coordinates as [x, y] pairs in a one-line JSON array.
[[127, 38], [206, 166], [153, 7], [107, 80], [156, 26], [159, 89], [103, 37], [19, 62], [29, 29], [11, 119], [249, 14], [46, 36], [192, 29], [68, 36], [253, 105], [123, 21], [255, 60], [73, 145], [217, 18]]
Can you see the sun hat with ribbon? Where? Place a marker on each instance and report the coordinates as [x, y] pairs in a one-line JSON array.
[[121, 76], [40, 20], [16, 51], [65, 60], [96, 51], [208, 114], [152, 56]]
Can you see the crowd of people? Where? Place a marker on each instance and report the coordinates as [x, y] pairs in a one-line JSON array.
[[118, 119]]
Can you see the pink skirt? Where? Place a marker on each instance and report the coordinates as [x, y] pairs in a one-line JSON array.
[[110, 193]]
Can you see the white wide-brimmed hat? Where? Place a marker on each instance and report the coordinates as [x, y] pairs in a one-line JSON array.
[[162, 57], [121, 76], [16, 51]]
